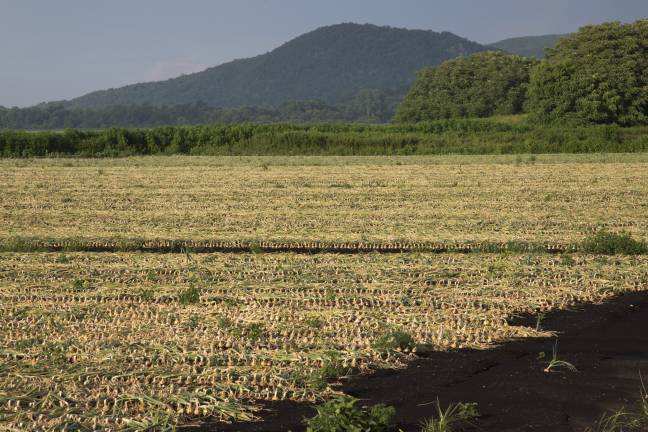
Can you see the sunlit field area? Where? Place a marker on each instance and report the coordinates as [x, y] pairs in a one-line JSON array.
[[533, 199]]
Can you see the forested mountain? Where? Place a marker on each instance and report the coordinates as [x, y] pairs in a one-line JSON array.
[[329, 64], [530, 46]]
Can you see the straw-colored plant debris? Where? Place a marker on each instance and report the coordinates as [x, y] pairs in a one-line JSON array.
[[499, 203]]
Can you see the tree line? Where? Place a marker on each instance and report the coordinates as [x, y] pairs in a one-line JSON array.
[[366, 106]]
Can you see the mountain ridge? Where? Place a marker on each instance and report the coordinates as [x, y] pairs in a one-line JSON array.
[[328, 64]]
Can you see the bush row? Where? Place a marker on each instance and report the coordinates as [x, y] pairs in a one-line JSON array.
[[434, 138]]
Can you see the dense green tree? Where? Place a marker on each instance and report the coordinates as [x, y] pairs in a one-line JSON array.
[[481, 85], [597, 75]]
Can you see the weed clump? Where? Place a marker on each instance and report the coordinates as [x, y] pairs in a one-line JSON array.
[[63, 259], [189, 296], [255, 332], [606, 243], [454, 418], [394, 341], [78, 284], [314, 323], [342, 414], [332, 369]]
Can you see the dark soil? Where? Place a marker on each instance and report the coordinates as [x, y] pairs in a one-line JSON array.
[[607, 343]]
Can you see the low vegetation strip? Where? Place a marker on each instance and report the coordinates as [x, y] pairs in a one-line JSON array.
[[456, 136]]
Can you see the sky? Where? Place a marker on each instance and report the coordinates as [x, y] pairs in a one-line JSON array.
[[54, 50]]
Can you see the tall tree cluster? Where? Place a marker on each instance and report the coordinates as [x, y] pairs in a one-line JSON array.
[[598, 75], [482, 85]]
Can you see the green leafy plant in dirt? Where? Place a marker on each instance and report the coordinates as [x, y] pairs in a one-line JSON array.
[[606, 243], [343, 415], [225, 323], [456, 417], [146, 294], [616, 421], [540, 317], [255, 248], [189, 296], [394, 341]]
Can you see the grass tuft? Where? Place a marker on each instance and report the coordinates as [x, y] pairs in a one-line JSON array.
[[456, 417]]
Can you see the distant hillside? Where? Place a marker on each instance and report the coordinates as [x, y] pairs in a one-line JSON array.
[[329, 64], [530, 46]]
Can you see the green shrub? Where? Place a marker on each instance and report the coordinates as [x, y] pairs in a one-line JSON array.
[[342, 415], [394, 341], [146, 294], [605, 243], [567, 260], [63, 259]]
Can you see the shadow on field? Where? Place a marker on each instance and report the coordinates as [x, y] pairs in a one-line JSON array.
[[607, 343]]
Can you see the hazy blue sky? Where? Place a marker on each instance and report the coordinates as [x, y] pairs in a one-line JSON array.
[[59, 49]]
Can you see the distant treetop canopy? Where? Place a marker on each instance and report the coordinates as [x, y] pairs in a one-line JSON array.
[[598, 75], [482, 85]]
